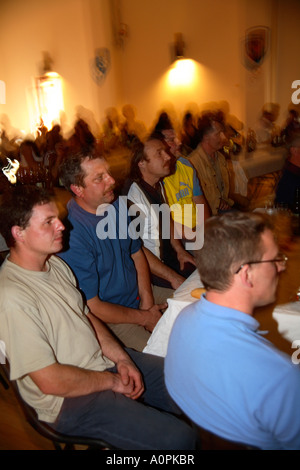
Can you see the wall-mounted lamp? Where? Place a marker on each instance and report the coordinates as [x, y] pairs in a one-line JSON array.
[[182, 71], [49, 93], [179, 46]]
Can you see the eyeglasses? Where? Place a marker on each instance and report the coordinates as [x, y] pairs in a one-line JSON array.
[[282, 260]]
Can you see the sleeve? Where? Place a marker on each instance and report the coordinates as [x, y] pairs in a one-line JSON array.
[[81, 258], [282, 415], [197, 191], [124, 214], [24, 335], [145, 223]]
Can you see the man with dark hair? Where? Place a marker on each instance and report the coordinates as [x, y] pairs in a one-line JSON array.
[[211, 165], [183, 190], [110, 266], [67, 365], [237, 385], [169, 262]]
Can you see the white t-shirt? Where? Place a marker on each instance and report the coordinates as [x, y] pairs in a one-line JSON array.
[[43, 321]]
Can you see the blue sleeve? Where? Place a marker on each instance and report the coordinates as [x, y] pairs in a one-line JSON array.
[[125, 231], [81, 258], [197, 191]]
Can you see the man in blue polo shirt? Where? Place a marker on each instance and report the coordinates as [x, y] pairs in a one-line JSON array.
[[219, 369], [109, 264]]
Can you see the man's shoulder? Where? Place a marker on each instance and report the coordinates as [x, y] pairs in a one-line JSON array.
[[134, 188], [197, 155], [136, 194], [184, 161], [6, 276]]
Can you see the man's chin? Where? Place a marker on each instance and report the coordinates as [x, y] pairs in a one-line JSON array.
[[266, 302], [109, 197]]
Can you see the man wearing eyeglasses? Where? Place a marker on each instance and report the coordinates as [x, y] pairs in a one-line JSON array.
[[237, 385]]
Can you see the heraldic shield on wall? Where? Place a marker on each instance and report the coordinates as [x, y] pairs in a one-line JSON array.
[[256, 45]]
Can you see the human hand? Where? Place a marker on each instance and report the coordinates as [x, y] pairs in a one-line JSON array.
[[184, 257], [223, 205], [176, 280], [146, 302], [151, 316], [128, 379]]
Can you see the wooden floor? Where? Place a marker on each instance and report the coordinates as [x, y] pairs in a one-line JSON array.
[[15, 432]]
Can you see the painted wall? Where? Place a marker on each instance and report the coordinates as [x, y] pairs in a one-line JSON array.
[[213, 32], [71, 31]]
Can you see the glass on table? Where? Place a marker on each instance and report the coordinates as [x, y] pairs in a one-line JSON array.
[[269, 205]]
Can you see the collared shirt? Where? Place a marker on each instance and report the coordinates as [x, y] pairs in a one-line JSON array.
[[232, 381], [215, 163], [180, 189]]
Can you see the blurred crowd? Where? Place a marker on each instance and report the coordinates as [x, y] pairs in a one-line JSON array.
[[39, 156]]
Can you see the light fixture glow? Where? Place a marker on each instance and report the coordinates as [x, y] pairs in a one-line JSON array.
[[182, 73], [50, 97]]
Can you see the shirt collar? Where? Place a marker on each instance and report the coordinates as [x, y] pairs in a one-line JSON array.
[[229, 314]]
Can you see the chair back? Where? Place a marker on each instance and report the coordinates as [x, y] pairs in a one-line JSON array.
[[60, 441]]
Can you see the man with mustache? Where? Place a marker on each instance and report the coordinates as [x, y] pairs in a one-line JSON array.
[[111, 268], [169, 262]]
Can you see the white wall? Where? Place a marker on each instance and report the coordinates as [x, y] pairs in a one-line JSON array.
[[71, 30]]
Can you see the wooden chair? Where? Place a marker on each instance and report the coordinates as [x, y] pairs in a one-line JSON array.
[[60, 441]]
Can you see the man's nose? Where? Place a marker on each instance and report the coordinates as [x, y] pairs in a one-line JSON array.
[[110, 179], [223, 137], [60, 226]]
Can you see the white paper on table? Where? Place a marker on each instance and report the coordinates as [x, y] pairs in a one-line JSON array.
[[159, 339], [288, 318], [184, 291]]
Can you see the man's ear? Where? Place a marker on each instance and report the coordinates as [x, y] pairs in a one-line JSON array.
[[246, 275], [77, 190], [141, 164], [17, 233]]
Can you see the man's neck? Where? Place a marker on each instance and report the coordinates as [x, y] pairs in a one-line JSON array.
[[151, 180], [211, 152], [28, 261], [81, 203], [228, 300]]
